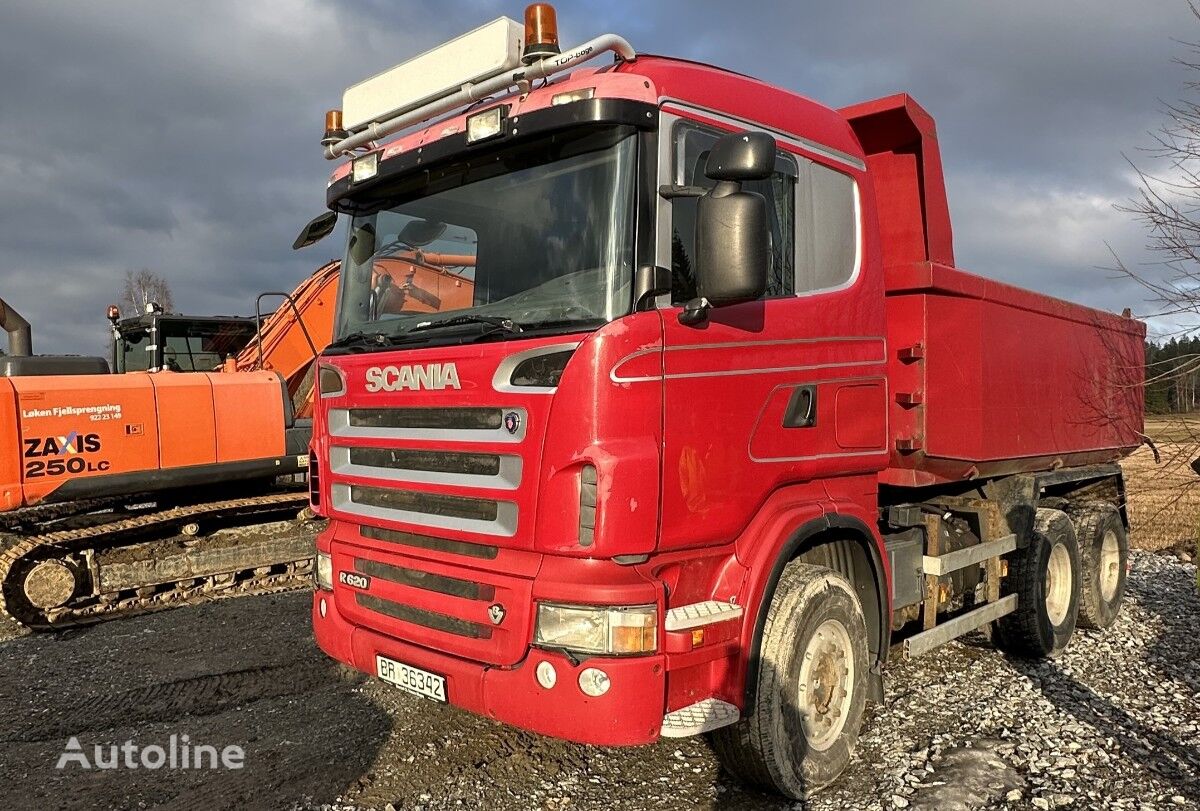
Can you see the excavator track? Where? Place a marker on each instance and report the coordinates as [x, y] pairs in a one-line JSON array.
[[55, 577]]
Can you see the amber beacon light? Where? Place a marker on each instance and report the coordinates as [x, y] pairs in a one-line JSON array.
[[541, 32], [333, 127]]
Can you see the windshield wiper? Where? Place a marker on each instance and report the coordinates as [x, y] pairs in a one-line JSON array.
[[505, 324], [550, 323], [361, 339]]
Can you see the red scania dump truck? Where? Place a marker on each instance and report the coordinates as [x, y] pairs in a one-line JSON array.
[[722, 427]]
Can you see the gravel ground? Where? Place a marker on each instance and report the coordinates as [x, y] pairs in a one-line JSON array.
[[1113, 723]]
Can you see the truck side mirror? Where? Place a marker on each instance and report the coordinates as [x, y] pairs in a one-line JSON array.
[[317, 229], [733, 242]]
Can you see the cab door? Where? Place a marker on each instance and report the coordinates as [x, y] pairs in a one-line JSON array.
[[783, 390]]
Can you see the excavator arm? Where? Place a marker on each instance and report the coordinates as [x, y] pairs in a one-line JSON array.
[[283, 341]]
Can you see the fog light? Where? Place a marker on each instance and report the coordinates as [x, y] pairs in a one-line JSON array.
[[364, 168], [322, 607], [547, 676], [594, 682]]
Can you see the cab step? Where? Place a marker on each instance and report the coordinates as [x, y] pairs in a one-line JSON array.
[[696, 719], [696, 614]]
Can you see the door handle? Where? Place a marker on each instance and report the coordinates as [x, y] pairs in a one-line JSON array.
[[801, 408]]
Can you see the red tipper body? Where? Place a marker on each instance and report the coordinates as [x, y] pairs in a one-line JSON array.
[[921, 375]]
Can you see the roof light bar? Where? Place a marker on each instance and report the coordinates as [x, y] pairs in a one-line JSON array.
[[458, 94]]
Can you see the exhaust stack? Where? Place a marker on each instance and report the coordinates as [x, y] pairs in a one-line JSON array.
[[20, 336]]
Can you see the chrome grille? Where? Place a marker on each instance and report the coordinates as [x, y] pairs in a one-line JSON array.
[[487, 516], [487, 470], [437, 424], [469, 464], [473, 509], [394, 459], [446, 419]]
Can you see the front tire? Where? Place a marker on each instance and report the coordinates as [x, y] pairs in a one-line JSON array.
[[800, 727], [1045, 576]]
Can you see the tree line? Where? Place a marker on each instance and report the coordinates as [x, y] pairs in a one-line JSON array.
[[1173, 376]]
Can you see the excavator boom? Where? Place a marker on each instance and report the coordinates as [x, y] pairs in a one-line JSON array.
[[289, 339]]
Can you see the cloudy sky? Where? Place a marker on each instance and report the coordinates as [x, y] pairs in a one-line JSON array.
[[182, 137]]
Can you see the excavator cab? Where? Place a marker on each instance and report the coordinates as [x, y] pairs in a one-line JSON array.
[[159, 341]]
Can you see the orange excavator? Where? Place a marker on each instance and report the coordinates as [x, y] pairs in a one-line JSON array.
[[140, 489], [157, 485]]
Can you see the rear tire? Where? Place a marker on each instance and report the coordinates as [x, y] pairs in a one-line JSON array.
[[1045, 576], [1103, 560], [802, 722]]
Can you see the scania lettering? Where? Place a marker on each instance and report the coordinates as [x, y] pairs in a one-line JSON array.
[[696, 423], [414, 378]]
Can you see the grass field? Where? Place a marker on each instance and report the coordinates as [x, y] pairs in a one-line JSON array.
[[1164, 498]]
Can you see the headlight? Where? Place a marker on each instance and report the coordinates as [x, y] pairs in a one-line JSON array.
[[324, 572], [601, 630]]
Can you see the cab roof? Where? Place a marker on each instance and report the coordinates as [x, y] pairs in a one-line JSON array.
[[657, 80]]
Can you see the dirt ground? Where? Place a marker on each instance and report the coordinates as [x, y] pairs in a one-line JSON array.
[[1113, 723], [1164, 497]]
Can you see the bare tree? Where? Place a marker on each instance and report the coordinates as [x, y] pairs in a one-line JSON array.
[[1168, 205], [142, 288]]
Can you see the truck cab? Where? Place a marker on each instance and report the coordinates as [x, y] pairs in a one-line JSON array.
[[677, 443]]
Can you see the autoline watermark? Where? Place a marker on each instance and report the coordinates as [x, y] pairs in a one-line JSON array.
[[178, 753]]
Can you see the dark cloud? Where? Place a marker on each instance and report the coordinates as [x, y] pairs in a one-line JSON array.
[[182, 137]]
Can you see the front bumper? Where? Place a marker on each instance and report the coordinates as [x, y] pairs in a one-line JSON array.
[[630, 713]]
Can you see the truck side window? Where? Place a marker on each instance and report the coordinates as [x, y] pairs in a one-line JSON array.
[[692, 144], [826, 228]]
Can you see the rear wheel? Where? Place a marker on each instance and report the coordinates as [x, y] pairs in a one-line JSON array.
[[1045, 576], [1103, 559], [800, 727]]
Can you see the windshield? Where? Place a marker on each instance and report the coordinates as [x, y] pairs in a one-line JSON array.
[[538, 235]]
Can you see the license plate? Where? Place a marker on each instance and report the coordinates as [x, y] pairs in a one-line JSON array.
[[412, 679]]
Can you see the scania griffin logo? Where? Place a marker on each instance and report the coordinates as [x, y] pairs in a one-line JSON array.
[[414, 378], [496, 613], [512, 422]]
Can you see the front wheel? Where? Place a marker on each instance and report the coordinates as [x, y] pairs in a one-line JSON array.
[[801, 724]]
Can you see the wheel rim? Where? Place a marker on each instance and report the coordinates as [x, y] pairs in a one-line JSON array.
[[1110, 566], [826, 677], [1059, 584]]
